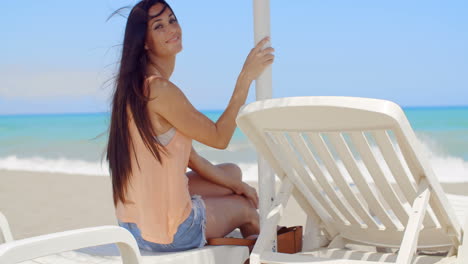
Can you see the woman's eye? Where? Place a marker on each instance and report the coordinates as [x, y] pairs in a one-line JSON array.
[[158, 27], [173, 21]]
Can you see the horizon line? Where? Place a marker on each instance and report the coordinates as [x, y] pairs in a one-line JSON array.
[[205, 111]]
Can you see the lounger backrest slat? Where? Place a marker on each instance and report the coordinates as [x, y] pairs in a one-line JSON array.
[[338, 178], [381, 182], [308, 190], [402, 178], [336, 196], [333, 202], [326, 185], [304, 177], [362, 185]]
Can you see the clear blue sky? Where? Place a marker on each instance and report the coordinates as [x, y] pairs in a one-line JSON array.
[[55, 56]]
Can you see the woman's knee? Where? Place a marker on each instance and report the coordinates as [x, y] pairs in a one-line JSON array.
[[233, 170]]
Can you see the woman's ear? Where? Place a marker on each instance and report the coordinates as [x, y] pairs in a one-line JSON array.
[[146, 47]]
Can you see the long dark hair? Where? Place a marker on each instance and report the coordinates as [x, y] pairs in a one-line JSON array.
[[129, 93]]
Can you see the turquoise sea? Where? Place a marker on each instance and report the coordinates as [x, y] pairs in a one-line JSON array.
[[75, 143]]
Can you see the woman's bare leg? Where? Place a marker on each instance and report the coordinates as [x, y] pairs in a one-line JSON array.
[[198, 185], [224, 214], [225, 210]]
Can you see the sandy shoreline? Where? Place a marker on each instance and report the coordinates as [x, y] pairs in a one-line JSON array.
[[38, 203]]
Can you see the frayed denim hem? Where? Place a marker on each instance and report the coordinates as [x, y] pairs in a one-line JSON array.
[[197, 202]]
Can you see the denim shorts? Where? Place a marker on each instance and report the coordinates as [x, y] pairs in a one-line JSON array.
[[190, 234]]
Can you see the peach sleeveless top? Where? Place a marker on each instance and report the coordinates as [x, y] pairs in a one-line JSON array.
[[157, 198]]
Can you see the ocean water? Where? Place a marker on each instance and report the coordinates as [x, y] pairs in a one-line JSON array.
[[75, 143]]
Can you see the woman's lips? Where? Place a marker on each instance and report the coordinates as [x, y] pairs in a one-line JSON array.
[[173, 39]]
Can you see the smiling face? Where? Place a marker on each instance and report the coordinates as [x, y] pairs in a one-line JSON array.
[[164, 35]]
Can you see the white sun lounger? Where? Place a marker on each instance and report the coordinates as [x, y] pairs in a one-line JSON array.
[[105, 244], [355, 167]]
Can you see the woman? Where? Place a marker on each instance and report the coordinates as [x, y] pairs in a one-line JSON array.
[[150, 143]]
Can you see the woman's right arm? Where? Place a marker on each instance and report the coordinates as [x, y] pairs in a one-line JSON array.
[[170, 103]]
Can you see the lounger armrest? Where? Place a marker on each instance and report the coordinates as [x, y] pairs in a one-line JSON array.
[[34, 247], [5, 229]]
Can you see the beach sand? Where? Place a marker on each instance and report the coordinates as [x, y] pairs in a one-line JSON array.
[[40, 203]]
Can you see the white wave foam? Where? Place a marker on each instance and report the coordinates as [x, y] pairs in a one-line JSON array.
[[446, 168], [54, 165], [450, 169]]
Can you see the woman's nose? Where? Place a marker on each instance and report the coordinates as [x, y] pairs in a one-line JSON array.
[[172, 28]]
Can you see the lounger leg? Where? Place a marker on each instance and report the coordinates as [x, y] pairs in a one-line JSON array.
[[312, 237], [268, 230], [337, 242], [410, 239]]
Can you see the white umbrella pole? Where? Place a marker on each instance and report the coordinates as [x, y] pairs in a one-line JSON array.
[[263, 85]]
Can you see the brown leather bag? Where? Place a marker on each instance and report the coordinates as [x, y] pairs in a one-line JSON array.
[[289, 240]]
